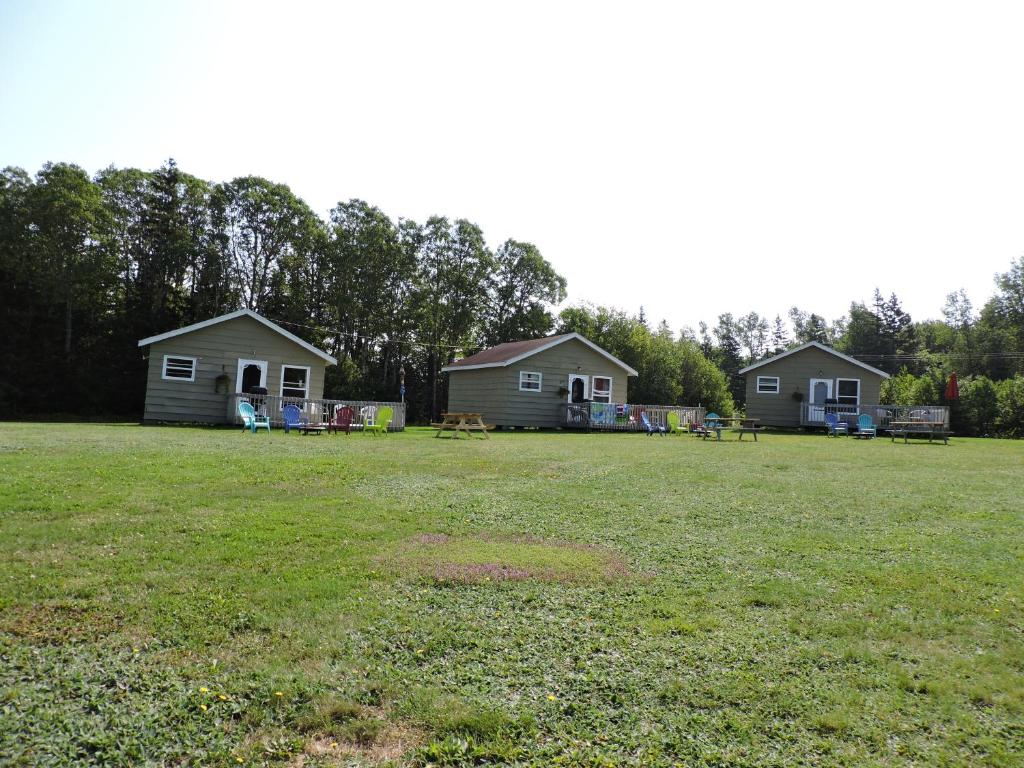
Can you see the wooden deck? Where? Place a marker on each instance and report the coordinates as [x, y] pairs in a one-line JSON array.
[[316, 411]]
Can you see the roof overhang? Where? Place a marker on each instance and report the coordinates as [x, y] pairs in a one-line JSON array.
[[553, 343], [823, 348], [231, 316]]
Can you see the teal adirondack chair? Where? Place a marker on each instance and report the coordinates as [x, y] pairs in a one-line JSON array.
[[865, 426], [381, 423], [250, 419]]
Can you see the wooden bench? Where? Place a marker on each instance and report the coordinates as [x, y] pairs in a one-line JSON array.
[[932, 433]]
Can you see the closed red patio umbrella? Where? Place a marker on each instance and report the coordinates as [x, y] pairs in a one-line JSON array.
[[952, 387]]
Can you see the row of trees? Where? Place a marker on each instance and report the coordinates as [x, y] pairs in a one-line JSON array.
[[88, 265]]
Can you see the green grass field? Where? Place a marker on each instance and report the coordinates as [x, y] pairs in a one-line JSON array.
[[175, 596]]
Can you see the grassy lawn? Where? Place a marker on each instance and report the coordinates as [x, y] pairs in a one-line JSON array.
[[206, 597]]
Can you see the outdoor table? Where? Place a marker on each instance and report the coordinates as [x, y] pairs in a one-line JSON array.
[[934, 429], [743, 424], [315, 429], [467, 422]]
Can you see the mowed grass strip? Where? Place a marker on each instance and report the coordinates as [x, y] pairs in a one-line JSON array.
[[528, 599]]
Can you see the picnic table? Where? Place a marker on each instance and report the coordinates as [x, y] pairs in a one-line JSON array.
[[933, 430], [744, 425], [307, 428], [467, 422]]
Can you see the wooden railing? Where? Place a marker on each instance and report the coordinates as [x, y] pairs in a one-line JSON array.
[[813, 415], [316, 411], [624, 417]]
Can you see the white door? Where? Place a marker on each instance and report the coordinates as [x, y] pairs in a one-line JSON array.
[[251, 373], [582, 391], [819, 390]]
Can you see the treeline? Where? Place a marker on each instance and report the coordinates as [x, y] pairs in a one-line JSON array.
[[89, 265]]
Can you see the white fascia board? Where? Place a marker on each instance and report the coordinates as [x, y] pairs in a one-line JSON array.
[[823, 348], [231, 316], [542, 348]]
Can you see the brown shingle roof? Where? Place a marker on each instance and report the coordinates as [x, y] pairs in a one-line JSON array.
[[504, 352]]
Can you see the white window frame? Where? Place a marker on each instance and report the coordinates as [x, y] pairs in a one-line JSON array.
[[522, 380], [837, 395], [163, 370], [307, 369], [594, 390], [778, 385]]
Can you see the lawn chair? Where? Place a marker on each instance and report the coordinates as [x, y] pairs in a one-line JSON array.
[[835, 426], [381, 423], [651, 428], [250, 420], [865, 426], [674, 427], [292, 417], [342, 420]]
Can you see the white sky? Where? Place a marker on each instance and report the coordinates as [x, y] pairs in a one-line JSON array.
[[694, 158]]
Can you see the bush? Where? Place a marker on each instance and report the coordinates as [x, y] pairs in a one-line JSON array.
[[1010, 420], [976, 412]]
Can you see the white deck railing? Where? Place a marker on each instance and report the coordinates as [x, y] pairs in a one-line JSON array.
[[624, 417], [813, 414]]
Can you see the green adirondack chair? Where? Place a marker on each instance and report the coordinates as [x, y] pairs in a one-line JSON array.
[[674, 427], [381, 423]]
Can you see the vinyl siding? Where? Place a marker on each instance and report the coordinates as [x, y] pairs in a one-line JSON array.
[[219, 348], [795, 373], [494, 392]]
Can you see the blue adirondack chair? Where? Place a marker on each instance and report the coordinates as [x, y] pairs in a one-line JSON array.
[[250, 419], [865, 426], [292, 417], [651, 428], [835, 426]]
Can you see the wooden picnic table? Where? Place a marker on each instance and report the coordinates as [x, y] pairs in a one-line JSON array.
[[746, 426], [933, 429], [467, 422]]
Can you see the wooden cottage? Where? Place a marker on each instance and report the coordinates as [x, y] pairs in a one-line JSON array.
[[529, 383], [195, 372], [795, 388]]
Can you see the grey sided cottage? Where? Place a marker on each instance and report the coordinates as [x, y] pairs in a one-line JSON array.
[[195, 371], [795, 388], [528, 383]]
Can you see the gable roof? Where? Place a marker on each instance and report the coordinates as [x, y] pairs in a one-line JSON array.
[[513, 351], [231, 316], [823, 348]]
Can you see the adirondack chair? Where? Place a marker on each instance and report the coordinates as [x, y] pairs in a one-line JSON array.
[[380, 424], [342, 420], [835, 426], [651, 428], [865, 426], [292, 417], [250, 420], [674, 427]]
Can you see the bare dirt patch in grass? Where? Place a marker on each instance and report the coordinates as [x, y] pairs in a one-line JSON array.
[[474, 560], [57, 623]]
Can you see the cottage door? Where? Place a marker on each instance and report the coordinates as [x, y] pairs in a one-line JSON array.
[[577, 388], [820, 390], [251, 373]]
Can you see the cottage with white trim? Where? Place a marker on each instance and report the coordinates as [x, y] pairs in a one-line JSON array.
[[195, 371], [794, 388], [528, 383]]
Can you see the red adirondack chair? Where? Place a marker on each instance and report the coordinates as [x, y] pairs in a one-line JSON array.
[[342, 420]]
